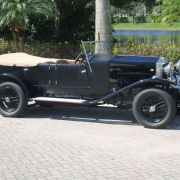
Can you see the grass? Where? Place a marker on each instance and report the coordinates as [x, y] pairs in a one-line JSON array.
[[146, 26]]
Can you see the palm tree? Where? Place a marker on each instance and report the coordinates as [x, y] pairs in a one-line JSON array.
[[167, 11], [15, 15], [103, 26]]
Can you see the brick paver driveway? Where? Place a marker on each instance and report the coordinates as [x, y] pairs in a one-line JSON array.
[[74, 143]]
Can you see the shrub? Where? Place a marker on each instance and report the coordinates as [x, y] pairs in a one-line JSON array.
[[172, 52], [140, 19], [70, 51], [123, 20], [43, 49], [117, 20], [6, 47]]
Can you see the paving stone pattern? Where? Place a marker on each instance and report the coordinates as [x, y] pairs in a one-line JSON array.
[[87, 144]]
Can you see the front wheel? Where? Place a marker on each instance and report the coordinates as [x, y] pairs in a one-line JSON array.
[[12, 100], [154, 108]]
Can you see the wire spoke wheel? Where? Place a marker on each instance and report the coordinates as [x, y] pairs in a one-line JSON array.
[[12, 100], [9, 99], [154, 108]]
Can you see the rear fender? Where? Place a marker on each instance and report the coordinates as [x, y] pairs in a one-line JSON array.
[[23, 83]]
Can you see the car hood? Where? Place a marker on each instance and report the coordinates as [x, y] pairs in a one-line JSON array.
[[134, 60]]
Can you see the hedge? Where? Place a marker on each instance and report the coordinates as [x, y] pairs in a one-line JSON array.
[[172, 52], [43, 49], [69, 51]]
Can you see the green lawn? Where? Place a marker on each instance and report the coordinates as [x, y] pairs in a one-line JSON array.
[[146, 26]]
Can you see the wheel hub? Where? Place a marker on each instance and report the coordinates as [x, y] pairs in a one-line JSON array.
[[7, 100], [152, 109]]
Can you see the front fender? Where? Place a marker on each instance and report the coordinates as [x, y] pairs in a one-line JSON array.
[[144, 82]]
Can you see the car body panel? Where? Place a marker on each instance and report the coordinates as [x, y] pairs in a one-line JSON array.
[[135, 60], [100, 77]]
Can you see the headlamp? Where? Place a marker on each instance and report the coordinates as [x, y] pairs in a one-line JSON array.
[[177, 67], [169, 69]]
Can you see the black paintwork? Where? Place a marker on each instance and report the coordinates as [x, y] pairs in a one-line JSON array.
[[109, 77]]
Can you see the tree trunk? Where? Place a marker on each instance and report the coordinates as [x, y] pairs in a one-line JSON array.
[[15, 39], [21, 42], [20, 35], [103, 27]]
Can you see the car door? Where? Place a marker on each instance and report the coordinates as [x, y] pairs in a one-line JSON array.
[[82, 80], [72, 76], [39, 75]]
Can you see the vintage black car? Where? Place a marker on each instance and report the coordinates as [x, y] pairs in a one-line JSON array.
[[148, 85]]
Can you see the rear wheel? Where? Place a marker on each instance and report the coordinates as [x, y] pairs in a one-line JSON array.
[[154, 108], [13, 101]]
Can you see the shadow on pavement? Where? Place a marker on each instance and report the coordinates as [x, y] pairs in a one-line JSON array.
[[107, 115]]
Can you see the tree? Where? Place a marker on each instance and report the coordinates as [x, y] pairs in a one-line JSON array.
[[120, 3], [126, 4], [103, 26], [15, 14], [76, 20], [167, 11]]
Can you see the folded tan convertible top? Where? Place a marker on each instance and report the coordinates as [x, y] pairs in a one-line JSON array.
[[26, 60]]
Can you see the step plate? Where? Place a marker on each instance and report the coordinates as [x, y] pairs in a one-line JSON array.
[[59, 100]]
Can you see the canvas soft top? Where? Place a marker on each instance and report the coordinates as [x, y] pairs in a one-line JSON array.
[[26, 60]]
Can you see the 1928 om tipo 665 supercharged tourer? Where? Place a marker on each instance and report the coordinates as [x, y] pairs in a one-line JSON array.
[[150, 85]]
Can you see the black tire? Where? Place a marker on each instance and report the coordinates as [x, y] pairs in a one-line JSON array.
[[154, 108], [13, 101]]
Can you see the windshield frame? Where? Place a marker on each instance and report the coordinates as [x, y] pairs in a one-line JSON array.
[[84, 43]]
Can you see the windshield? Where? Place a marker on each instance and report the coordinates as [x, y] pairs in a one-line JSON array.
[[91, 47]]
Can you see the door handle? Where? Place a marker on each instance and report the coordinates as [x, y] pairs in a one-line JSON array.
[[83, 71]]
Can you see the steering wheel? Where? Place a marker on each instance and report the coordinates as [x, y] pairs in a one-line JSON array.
[[80, 58]]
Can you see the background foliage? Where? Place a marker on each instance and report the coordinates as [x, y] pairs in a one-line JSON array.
[[172, 52], [76, 20], [69, 51], [167, 11], [43, 49], [73, 21]]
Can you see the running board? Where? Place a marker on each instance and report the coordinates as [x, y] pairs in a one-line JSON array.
[[59, 100]]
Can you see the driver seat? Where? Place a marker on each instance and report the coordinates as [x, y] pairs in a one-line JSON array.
[[65, 61]]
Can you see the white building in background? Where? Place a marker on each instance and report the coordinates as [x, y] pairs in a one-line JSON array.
[[137, 9]]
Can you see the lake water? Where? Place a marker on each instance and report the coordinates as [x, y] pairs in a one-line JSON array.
[[148, 36]]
